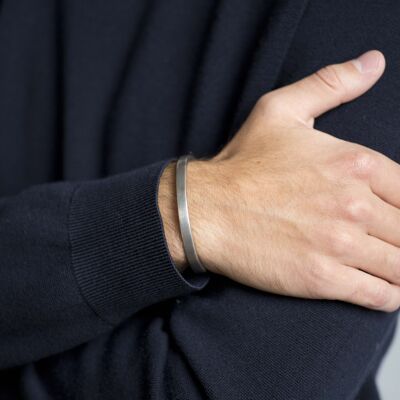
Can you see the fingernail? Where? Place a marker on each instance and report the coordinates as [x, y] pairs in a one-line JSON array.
[[368, 62]]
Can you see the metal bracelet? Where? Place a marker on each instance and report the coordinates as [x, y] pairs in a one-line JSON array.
[[183, 215]]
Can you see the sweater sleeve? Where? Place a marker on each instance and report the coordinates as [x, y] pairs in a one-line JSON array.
[[77, 259]]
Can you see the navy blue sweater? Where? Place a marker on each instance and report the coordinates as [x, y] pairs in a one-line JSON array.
[[96, 97]]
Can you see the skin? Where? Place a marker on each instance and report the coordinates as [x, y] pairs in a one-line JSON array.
[[291, 210]]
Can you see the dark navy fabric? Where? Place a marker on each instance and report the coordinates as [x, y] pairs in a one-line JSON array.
[[96, 97]]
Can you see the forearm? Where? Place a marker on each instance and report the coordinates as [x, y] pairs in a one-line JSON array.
[[78, 259]]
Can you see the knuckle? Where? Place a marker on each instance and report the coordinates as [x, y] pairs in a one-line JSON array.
[[356, 209], [341, 242], [378, 295], [319, 276], [269, 103], [330, 77], [360, 163]]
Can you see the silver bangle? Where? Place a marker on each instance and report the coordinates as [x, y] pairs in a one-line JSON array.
[[183, 215]]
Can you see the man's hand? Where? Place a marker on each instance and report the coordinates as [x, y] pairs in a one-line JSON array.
[[291, 210]]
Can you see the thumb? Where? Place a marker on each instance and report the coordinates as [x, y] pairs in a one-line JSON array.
[[331, 86]]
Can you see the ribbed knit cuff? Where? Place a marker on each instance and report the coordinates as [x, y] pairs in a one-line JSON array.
[[119, 252]]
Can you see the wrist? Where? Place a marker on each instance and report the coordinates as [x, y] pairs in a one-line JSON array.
[[205, 188], [206, 194]]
